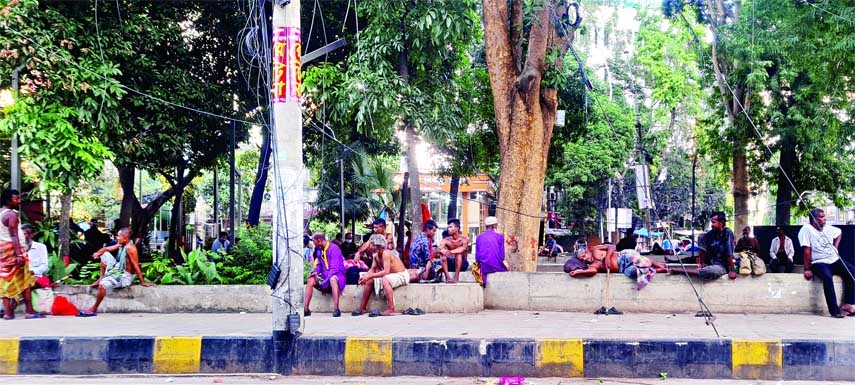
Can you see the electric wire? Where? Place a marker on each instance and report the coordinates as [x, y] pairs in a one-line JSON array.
[[765, 146]]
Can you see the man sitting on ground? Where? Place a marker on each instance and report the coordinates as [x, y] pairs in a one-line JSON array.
[[329, 273], [551, 248], [387, 273], [454, 249], [116, 273]]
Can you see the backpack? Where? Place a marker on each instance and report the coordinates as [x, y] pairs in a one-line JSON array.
[[750, 263]]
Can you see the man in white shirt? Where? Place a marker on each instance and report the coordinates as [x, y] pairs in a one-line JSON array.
[[781, 251], [37, 253], [820, 244]]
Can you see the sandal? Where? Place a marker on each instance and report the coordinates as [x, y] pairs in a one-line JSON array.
[[34, 316], [357, 313], [418, 311], [86, 313], [838, 315], [409, 311], [374, 313]]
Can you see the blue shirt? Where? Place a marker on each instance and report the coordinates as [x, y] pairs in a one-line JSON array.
[[718, 247], [420, 251]]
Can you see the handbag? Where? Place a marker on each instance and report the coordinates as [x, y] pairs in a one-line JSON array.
[[476, 272]]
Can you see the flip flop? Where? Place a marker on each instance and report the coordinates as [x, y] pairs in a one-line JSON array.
[[86, 314], [418, 311], [357, 313], [374, 313], [34, 316], [409, 311], [838, 315]]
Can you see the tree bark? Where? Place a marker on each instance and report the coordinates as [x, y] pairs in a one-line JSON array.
[[129, 200], [453, 192], [65, 216], [525, 114], [784, 197], [415, 193]]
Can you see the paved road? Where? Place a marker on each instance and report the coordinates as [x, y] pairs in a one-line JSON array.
[[312, 380], [485, 324]]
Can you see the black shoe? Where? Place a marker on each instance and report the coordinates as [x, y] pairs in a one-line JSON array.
[[602, 310], [307, 313], [336, 313], [613, 311]]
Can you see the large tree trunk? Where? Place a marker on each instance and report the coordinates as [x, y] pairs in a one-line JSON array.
[[415, 193], [784, 197], [453, 192], [65, 216], [129, 200], [260, 182], [525, 114], [740, 188], [176, 224]]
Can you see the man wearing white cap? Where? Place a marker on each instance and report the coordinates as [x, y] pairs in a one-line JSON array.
[[387, 272], [490, 250]]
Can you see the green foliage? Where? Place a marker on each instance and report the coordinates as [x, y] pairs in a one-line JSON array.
[[251, 258], [57, 269], [197, 269], [87, 274]]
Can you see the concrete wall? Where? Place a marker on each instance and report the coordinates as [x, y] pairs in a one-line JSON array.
[[432, 298], [770, 293], [174, 299]]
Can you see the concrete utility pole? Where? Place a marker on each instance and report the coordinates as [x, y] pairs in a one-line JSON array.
[[289, 178]]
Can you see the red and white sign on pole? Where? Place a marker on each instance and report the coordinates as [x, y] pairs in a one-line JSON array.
[[286, 65]]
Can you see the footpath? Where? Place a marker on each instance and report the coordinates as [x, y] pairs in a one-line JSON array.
[[489, 343]]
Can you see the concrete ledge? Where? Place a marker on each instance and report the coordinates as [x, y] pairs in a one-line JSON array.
[[432, 298], [770, 293], [455, 357], [174, 299]]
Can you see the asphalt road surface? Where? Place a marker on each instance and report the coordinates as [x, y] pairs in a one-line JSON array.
[[269, 379]]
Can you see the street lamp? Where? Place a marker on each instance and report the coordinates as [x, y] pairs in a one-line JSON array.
[[15, 174]]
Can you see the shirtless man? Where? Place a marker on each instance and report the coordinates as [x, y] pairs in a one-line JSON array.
[[453, 250], [605, 257], [387, 272], [118, 272], [379, 227]]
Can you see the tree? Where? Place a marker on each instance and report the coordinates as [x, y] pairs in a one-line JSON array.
[[525, 104], [69, 94], [402, 76]]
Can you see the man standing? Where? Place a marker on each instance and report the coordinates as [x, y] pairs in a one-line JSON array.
[[781, 251], [221, 244], [820, 243], [421, 253], [715, 257], [387, 273], [37, 255], [116, 272], [490, 250], [15, 277], [454, 249], [328, 275]]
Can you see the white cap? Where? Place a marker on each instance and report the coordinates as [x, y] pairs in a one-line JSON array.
[[489, 221]]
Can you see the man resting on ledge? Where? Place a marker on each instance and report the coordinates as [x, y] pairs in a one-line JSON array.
[[602, 258], [116, 273]]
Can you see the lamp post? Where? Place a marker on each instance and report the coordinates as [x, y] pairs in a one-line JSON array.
[[15, 174]]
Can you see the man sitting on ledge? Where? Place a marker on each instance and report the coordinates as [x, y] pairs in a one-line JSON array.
[[715, 257], [387, 272], [116, 273], [329, 273]]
